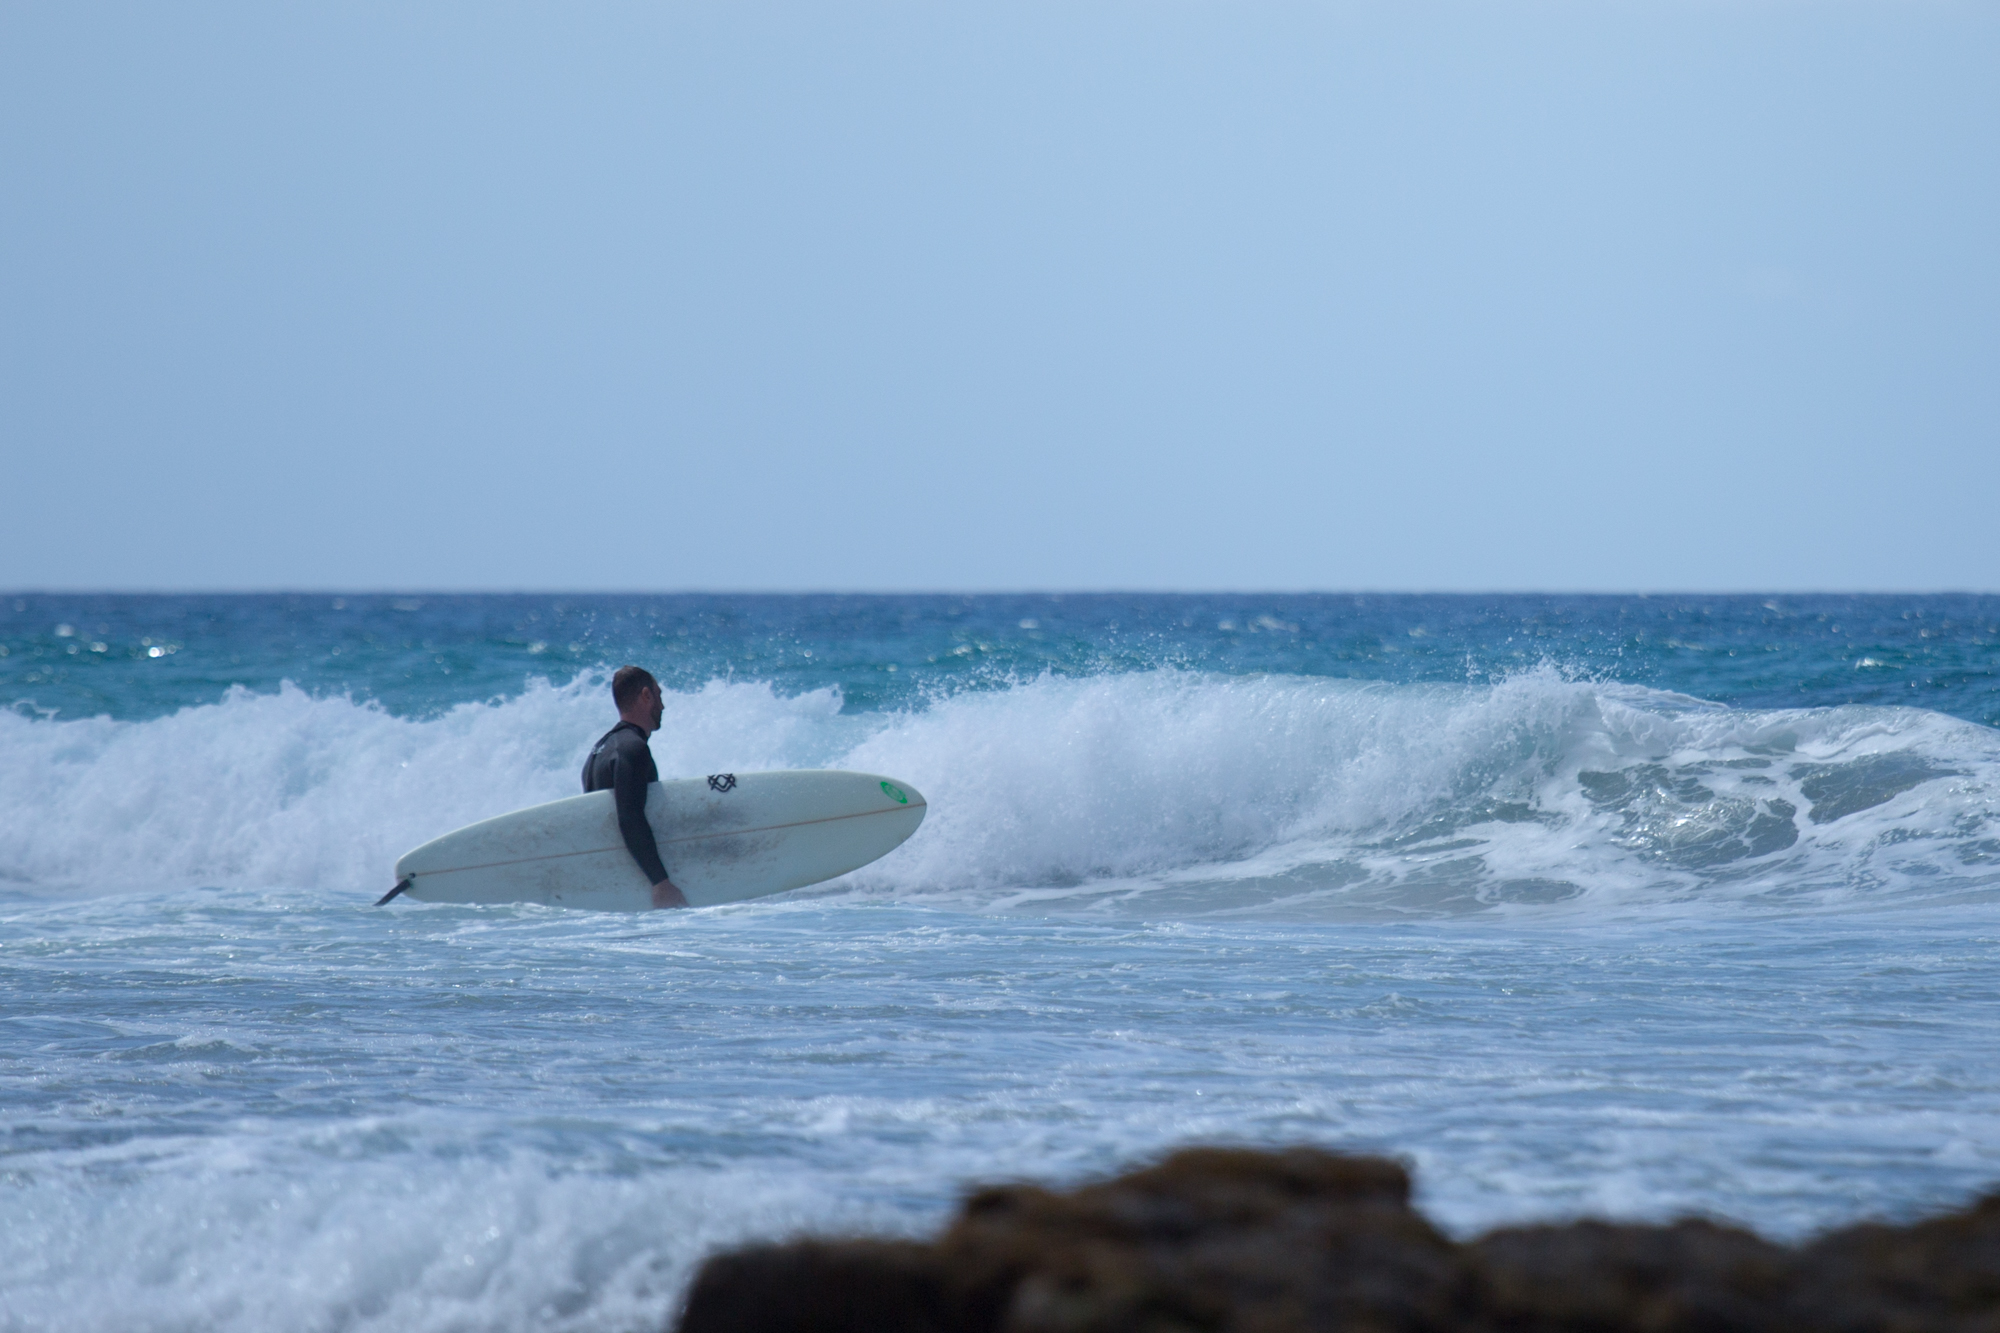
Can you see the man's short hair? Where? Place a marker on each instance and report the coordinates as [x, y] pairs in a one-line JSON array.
[[626, 683]]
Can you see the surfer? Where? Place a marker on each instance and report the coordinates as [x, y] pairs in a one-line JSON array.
[[622, 763]]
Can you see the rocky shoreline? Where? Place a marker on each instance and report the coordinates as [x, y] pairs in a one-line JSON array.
[[1286, 1241]]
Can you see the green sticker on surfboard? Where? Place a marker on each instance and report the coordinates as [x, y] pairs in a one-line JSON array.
[[896, 792]]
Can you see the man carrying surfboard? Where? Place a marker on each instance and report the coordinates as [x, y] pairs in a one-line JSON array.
[[622, 763]]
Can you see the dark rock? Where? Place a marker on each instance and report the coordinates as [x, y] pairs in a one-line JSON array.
[[844, 1286], [1210, 1238], [1942, 1273], [1691, 1275], [1241, 1241]]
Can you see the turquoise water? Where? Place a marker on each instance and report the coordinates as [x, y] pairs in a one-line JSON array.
[[73, 656], [1634, 906]]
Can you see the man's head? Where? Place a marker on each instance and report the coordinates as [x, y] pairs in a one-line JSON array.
[[637, 695]]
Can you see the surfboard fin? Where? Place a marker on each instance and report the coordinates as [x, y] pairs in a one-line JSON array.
[[401, 884]]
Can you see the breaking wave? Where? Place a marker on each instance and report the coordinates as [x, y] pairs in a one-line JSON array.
[[1164, 792]]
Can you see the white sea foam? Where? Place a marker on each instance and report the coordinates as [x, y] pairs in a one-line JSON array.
[[1173, 791], [289, 790], [259, 1229]]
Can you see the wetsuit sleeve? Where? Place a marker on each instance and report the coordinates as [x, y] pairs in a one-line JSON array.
[[628, 789]]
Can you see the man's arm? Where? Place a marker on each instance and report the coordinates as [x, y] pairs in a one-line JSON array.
[[628, 789]]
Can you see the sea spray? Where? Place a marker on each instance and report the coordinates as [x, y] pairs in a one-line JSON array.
[[322, 793], [1415, 797]]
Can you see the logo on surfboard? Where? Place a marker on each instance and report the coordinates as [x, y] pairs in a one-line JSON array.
[[722, 782], [897, 792]]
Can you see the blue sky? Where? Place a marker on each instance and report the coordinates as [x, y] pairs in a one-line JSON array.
[[1638, 295]]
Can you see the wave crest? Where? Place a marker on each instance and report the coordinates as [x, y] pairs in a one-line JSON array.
[[1169, 791]]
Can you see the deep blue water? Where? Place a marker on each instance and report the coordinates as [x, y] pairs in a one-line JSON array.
[[1635, 906]]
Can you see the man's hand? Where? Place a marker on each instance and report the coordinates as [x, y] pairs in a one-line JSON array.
[[666, 895]]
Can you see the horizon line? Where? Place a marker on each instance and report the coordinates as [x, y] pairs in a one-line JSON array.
[[334, 591]]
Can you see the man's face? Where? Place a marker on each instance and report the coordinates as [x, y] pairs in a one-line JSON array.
[[649, 699]]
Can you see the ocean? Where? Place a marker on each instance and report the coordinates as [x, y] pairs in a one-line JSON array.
[[1625, 906]]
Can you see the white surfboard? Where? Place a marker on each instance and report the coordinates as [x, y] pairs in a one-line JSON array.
[[723, 838]]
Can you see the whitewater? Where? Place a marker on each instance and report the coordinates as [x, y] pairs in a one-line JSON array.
[[1608, 906]]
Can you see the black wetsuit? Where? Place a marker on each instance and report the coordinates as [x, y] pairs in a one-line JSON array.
[[622, 764]]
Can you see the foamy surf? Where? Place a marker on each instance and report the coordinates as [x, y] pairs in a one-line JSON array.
[[1160, 792]]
